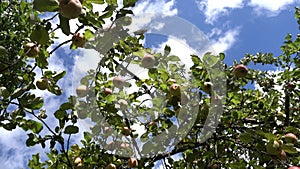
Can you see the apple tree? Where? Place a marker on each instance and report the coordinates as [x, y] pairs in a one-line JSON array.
[[208, 115]]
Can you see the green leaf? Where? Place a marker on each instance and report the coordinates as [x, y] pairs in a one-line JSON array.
[[87, 136], [88, 34], [32, 125], [173, 58], [129, 3], [71, 130], [64, 25], [237, 165], [60, 114], [36, 103], [167, 50], [289, 149], [32, 140], [41, 35], [59, 75], [95, 1], [4, 92], [45, 5], [112, 2], [245, 138]]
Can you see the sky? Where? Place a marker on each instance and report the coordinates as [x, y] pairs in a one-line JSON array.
[[235, 27]]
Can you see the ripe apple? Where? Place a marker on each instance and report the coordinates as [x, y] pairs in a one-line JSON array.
[[240, 71], [294, 167], [206, 87], [108, 91], [82, 90], [291, 138], [111, 166], [175, 90], [132, 162], [42, 83], [31, 49], [148, 61], [125, 131], [78, 40], [70, 8], [118, 81]]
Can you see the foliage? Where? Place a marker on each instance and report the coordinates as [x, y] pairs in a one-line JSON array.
[[254, 119]]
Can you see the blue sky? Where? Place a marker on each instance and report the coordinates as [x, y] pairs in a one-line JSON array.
[[234, 27]]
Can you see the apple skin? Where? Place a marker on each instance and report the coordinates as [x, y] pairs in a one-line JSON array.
[[126, 131], [31, 49], [78, 40], [175, 90], [108, 91], [132, 162], [294, 167], [291, 138], [148, 61], [82, 90], [70, 9], [282, 156], [42, 83], [118, 82], [240, 71], [111, 166]]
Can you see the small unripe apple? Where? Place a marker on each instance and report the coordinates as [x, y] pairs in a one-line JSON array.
[[78, 40], [125, 131], [123, 104], [294, 167], [148, 61], [282, 156], [206, 87], [108, 91], [42, 83], [240, 71], [110, 166], [82, 91], [291, 138], [70, 8], [118, 82], [175, 90], [31, 49], [132, 163]]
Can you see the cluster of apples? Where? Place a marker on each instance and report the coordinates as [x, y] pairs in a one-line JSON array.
[[132, 163], [276, 147]]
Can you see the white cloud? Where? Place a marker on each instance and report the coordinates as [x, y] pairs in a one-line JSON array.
[[225, 42], [213, 9], [270, 7], [158, 6]]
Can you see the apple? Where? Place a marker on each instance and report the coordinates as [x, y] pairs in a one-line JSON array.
[[70, 8], [108, 91], [123, 104], [77, 161], [294, 167], [148, 61], [240, 71], [171, 81], [206, 87], [78, 40], [82, 90], [118, 81], [282, 156], [291, 86], [124, 145], [111, 166], [132, 162], [42, 83], [175, 90], [273, 148], [291, 138], [126, 131], [213, 166], [107, 130], [31, 49]]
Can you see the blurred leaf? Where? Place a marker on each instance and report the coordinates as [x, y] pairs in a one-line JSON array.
[[40, 35], [45, 5], [64, 25], [71, 130]]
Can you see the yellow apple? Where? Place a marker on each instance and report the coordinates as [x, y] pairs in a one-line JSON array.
[[70, 8]]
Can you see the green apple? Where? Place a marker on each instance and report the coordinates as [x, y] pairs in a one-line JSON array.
[[70, 8], [78, 40], [82, 90], [148, 61], [31, 49], [132, 162], [240, 71], [42, 83]]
